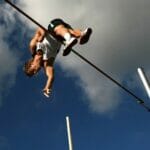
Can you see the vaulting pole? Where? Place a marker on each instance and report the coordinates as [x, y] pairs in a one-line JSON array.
[[69, 133], [144, 80], [138, 100]]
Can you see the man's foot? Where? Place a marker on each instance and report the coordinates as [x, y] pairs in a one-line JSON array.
[[85, 36], [69, 45]]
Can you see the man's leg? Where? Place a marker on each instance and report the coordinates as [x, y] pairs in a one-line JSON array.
[[85, 36], [70, 40], [67, 48]]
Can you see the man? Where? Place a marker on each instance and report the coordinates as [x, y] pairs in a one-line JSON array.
[[44, 49], [63, 31]]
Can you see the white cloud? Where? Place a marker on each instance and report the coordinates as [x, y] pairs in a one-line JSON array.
[[119, 44], [8, 59]]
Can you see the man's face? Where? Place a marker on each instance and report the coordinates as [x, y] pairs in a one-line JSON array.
[[35, 66]]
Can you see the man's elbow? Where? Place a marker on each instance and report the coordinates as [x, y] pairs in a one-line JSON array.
[[32, 47]]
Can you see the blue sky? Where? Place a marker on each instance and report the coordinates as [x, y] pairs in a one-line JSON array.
[[102, 115]]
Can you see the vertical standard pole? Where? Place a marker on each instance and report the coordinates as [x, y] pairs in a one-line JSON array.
[[69, 133], [144, 80]]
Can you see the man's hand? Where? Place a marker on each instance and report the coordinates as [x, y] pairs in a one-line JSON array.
[[47, 92]]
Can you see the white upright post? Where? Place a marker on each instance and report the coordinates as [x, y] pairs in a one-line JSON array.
[[69, 133], [144, 80]]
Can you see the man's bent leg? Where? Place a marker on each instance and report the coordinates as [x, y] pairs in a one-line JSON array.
[[67, 49], [85, 35]]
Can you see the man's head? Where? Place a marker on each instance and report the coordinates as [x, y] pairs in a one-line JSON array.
[[32, 66]]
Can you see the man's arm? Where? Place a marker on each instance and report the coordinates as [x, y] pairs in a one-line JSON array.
[[40, 34], [49, 71], [38, 37]]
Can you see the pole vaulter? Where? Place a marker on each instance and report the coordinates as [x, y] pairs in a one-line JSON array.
[[138, 100]]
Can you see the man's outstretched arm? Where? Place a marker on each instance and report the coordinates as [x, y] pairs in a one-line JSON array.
[[49, 71]]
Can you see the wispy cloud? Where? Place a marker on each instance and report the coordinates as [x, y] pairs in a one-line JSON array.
[[8, 59], [119, 44]]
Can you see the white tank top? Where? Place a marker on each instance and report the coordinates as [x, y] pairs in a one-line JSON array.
[[49, 47]]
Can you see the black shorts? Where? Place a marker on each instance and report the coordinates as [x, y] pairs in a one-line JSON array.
[[54, 23]]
